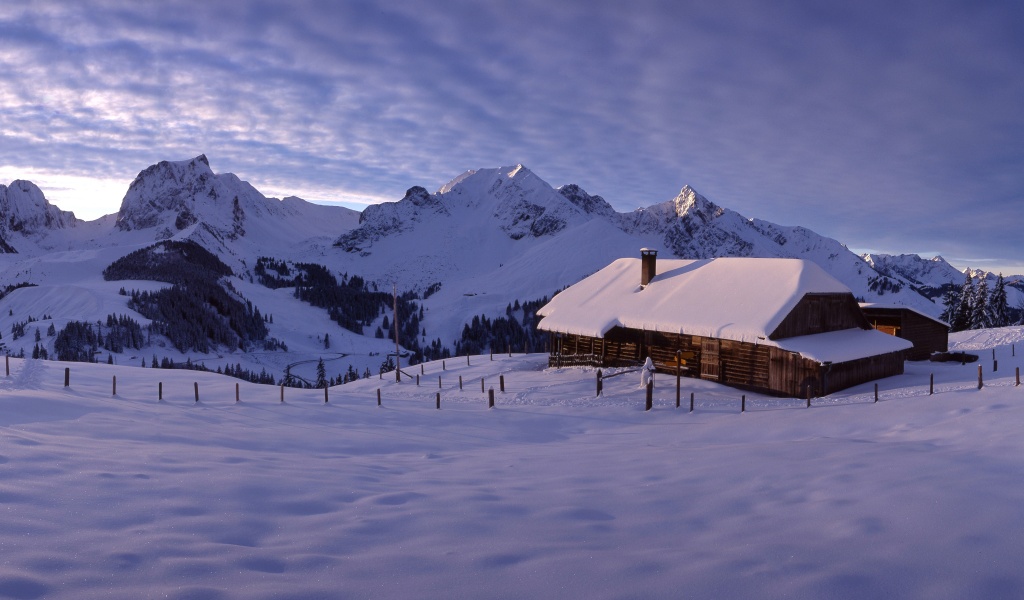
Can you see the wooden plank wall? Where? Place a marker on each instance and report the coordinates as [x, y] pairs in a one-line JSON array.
[[928, 336], [744, 365], [818, 313]]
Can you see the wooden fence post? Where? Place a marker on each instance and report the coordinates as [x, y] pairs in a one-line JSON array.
[[237, 394], [160, 390], [439, 401], [808, 396], [492, 354], [378, 396], [325, 395], [691, 401], [599, 383], [422, 372], [67, 376], [995, 366], [481, 385], [196, 385], [417, 380], [467, 360], [7, 362], [650, 396], [743, 403], [931, 384], [282, 392], [501, 383], [438, 382], [443, 368], [679, 374], [460, 383], [490, 398], [113, 391], [1018, 377], [876, 392], [980, 384]]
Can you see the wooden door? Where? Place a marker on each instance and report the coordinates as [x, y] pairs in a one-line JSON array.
[[710, 366]]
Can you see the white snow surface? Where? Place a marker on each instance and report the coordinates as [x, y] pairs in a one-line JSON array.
[[552, 493], [742, 299]]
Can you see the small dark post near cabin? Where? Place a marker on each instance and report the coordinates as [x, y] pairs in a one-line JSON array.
[[778, 326]]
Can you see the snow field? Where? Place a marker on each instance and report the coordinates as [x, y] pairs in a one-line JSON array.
[[551, 493]]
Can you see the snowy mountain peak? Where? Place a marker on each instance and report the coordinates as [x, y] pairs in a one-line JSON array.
[[690, 202], [25, 210]]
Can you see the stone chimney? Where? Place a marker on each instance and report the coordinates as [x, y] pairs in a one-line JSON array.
[[648, 265]]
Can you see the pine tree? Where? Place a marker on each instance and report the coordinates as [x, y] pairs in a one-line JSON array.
[[979, 306], [998, 311], [327, 341], [951, 301], [39, 336], [321, 375], [962, 316]]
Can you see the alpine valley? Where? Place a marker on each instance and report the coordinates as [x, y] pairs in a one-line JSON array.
[[201, 269]]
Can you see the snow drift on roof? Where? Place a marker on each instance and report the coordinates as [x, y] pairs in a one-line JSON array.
[[844, 345], [741, 299]]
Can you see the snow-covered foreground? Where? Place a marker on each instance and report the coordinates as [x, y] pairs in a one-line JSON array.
[[552, 493]]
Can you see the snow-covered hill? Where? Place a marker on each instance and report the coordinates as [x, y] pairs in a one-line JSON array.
[[482, 241]]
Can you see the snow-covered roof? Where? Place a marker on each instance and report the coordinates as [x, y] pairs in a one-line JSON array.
[[743, 299], [844, 345], [882, 306]]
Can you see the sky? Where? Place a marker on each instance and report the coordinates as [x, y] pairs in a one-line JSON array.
[[891, 126]]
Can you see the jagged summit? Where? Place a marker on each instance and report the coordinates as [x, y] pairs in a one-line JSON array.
[[186, 199], [26, 211]]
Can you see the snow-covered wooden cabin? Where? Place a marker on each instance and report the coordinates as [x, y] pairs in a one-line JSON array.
[[779, 326]]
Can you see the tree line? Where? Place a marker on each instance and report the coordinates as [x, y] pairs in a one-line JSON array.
[[973, 306]]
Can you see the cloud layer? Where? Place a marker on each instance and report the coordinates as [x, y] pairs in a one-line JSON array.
[[891, 126]]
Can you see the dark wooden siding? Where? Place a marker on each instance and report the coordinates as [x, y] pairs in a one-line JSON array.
[[757, 367], [927, 335], [819, 313]]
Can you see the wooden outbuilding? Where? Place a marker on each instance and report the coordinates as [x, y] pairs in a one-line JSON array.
[[929, 335], [778, 326]]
